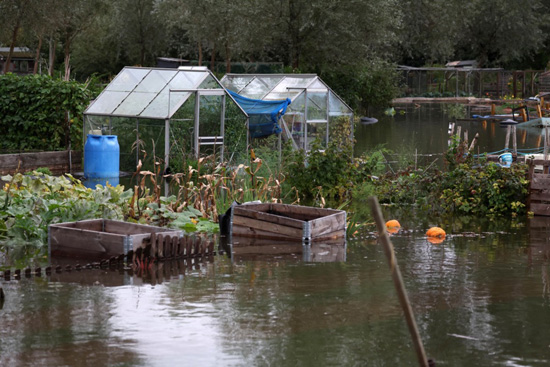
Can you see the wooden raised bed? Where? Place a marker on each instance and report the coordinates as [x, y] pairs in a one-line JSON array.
[[538, 200], [100, 238], [58, 162], [284, 222]]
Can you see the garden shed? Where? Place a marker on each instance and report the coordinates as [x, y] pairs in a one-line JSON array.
[[176, 115], [315, 112]]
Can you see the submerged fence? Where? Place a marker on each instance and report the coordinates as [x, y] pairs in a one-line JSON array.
[[479, 82]]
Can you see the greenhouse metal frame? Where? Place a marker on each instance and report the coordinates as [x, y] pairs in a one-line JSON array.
[[138, 98], [314, 107]]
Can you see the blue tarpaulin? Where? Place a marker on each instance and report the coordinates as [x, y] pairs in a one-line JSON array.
[[264, 115]]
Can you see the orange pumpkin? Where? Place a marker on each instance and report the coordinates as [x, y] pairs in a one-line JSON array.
[[393, 226], [436, 232]]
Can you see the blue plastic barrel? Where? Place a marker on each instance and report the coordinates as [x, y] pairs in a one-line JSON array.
[[101, 156]]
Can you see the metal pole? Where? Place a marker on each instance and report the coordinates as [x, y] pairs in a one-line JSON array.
[[222, 129], [196, 129], [398, 281]]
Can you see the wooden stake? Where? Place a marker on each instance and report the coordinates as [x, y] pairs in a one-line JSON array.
[[458, 131], [474, 141], [508, 131], [546, 138], [398, 281], [515, 140], [493, 108]]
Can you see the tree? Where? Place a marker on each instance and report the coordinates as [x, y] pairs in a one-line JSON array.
[[13, 15]]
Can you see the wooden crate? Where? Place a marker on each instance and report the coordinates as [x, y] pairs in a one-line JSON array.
[[100, 238], [252, 249], [286, 222], [538, 200]]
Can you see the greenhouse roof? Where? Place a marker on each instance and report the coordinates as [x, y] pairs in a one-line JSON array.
[[270, 87], [153, 93]]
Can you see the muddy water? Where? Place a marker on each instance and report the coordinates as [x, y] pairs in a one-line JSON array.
[[482, 298]]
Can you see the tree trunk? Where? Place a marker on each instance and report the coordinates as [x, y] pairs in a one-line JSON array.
[[227, 58], [200, 53], [213, 59], [12, 45], [37, 56], [51, 58], [67, 61]]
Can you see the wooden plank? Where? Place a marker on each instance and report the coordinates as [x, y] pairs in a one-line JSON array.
[[542, 195], [254, 233], [540, 182], [115, 226], [267, 217], [91, 225], [540, 209], [79, 242], [337, 235], [298, 211], [539, 222], [269, 227], [259, 207], [329, 224]]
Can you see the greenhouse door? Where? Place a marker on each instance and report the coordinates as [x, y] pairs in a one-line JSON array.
[[209, 123]]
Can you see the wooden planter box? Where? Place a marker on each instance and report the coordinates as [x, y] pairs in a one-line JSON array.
[[100, 238], [58, 162], [286, 223]]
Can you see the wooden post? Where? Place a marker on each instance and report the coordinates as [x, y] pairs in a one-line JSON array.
[[458, 132], [398, 281], [474, 141], [515, 141], [539, 111], [466, 137], [508, 131], [493, 108], [546, 138]]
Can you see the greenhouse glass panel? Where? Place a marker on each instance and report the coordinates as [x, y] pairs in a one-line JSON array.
[[178, 99], [155, 81], [288, 88], [134, 104], [317, 84], [127, 80], [236, 83], [209, 83], [182, 80], [195, 78], [317, 106], [317, 134], [337, 107], [106, 102], [259, 87]]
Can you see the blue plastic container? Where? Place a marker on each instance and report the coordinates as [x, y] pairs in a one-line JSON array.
[[101, 156], [505, 160]]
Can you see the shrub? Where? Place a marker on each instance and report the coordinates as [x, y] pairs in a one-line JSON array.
[[33, 112]]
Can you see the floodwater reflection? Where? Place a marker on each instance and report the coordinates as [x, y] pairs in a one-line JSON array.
[[481, 298]]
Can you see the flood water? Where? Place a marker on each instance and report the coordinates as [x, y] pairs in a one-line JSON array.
[[481, 298], [423, 129]]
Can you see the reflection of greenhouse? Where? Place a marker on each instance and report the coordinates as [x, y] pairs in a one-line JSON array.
[[315, 111], [174, 114]]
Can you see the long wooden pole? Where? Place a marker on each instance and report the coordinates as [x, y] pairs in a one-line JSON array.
[[398, 281]]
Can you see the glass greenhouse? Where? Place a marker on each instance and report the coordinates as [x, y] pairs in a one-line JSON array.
[[176, 115], [315, 113]]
